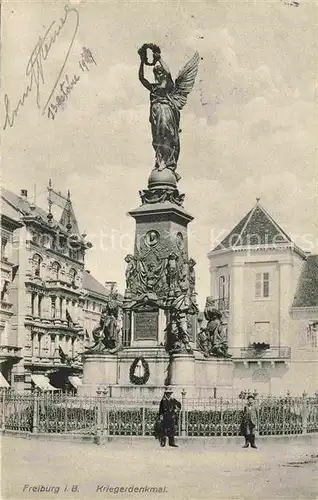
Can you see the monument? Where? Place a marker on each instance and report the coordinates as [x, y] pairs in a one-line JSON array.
[[158, 342]]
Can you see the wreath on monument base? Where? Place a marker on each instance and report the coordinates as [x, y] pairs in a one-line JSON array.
[[134, 379]]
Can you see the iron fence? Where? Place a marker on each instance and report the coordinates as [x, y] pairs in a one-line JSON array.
[[45, 413]]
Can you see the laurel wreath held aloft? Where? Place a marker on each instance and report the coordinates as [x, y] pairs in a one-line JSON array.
[[139, 380], [155, 51]]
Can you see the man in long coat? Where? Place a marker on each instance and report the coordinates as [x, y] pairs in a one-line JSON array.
[[249, 423], [169, 410]]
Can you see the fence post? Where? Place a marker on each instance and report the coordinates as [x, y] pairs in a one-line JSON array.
[[304, 413], [3, 409], [35, 419], [104, 412], [143, 419], [99, 416], [183, 415], [221, 415]]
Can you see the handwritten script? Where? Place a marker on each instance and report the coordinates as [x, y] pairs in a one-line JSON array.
[[68, 84], [35, 69]]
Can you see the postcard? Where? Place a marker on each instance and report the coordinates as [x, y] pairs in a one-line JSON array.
[[159, 249]]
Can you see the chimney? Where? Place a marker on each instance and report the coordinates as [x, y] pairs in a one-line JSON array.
[[110, 285], [24, 193]]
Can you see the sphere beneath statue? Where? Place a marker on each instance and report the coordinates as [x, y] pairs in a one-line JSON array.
[[162, 178]]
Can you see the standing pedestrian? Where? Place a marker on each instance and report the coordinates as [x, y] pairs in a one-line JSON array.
[[249, 423], [169, 410]]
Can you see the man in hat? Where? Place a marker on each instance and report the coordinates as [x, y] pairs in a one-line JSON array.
[[249, 423], [169, 410]]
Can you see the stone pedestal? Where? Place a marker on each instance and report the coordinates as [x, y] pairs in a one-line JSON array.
[[98, 370], [182, 369]]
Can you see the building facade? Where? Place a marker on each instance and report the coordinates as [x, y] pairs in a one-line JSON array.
[[10, 353], [258, 280], [48, 293]]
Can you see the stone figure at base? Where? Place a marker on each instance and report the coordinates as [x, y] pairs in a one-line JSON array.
[[167, 98], [212, 339], [131, 272], [177, 335], [178, 339], [107, 335]]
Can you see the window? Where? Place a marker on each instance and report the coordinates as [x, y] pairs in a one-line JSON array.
[[53, 307], [61, 308], [222, 287], [33, 304], [312, 334], [4, 242], [37, 261], [56, 271], [72, 275], [39, 306], [262, 285]]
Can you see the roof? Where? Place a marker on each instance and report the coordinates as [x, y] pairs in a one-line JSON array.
[[307, 287], [92, 285], [27, 208], [256, 228], [11, 214]]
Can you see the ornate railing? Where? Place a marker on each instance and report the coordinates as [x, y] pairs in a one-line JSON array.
[[104, 416], [221, 304]]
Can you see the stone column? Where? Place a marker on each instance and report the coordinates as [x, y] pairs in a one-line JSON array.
[[36, 305], [285, 289], [75, 313], [28, 301], [80, 313], [213, 283], [58, 308], [56, 345], [63, 311], [236, 336]]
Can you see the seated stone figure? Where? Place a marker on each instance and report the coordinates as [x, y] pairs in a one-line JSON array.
[[106, 335], [211, 339]]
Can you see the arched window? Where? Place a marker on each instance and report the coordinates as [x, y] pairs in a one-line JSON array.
[[37, 261], [72, 275], [56, 270]]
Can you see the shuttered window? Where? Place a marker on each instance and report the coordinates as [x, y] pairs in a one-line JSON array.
[[262, 288]]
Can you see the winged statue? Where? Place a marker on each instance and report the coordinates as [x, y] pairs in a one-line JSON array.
[[167, 98]]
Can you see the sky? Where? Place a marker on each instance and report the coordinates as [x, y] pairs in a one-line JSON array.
[[248, 129]]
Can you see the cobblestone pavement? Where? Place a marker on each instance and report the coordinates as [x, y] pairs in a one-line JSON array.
[[285, 469]]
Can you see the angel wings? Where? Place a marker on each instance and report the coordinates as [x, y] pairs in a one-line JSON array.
[[167, 98], [185, 82]]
